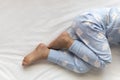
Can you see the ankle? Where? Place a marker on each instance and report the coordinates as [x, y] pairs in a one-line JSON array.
[[45, 55]]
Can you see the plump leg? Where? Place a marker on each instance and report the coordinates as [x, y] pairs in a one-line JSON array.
[[63, 41]]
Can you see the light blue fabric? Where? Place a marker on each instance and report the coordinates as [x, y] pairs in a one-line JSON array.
[[92, 32], [68, 60]]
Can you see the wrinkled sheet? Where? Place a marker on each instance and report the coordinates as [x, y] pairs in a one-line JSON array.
[[26, 23]]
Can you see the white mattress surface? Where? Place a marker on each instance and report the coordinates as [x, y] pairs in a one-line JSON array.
[[26, 23]]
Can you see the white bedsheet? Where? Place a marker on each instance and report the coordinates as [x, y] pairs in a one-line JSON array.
[[26, 23]]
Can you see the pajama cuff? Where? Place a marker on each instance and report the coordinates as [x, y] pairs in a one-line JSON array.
[[53, 56], [75, 47]]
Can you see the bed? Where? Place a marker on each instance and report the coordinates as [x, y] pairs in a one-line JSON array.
[[26, 23]]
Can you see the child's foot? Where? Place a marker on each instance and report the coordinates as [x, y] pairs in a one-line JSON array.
[[41, 52], [64, 41]]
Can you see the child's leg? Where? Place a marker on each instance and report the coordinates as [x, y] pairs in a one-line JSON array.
[[60, 57], [41, 52], [91, 44], [64, 40], [68, 60]]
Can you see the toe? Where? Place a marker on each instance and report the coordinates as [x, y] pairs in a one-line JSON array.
[[26, 61]]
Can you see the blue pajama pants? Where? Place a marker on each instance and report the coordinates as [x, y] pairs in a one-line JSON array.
[[68, 59], [90, 48]]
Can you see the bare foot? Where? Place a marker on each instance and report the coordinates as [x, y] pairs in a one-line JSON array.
[[63, 41], [41, 52]]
